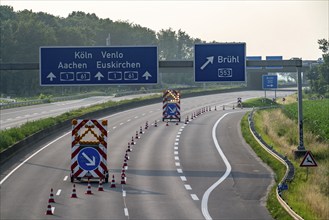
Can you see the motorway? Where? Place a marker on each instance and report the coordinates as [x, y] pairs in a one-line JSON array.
[[199, 170], [15, 117]]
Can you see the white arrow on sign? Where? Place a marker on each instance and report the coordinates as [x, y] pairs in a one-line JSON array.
[[209, 60], [51, 76], [91, 162], [172, 110], [99, 75], [147, 75]]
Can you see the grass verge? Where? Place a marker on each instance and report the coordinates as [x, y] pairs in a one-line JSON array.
[[278, 168]]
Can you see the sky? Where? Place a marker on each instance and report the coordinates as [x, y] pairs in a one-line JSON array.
[[287, 28]]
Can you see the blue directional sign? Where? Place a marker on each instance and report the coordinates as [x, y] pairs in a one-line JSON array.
[[171, 109], [254, 58], [270, 81], [274, 58], [88, 158], [98, 65], [224, 62]]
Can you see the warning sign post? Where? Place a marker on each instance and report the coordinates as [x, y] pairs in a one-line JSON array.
[[171, 105], [89, 150]]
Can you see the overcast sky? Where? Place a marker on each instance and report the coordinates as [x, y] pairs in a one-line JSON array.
[[269, 28]]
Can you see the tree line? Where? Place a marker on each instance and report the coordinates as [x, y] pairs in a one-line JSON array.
[[23, 32]]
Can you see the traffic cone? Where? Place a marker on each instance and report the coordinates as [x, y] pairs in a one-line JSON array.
[[125, 165], [210, 108], [141, 130], [233, 107], [113, 182], [215, 108], [49, 211], [51, 197], [167, 123], [223, 107], [132, 141], [146, 125], [126, 156], [123, 178], [74, 193], [155, 123], [129, 149], [100, 185], [136, 137], [176, 122], [88, 192]]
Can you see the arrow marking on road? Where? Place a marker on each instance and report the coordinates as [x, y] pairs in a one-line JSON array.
[[147, 75], [99, 76], [51, 76], [91, 162], [209, 60]]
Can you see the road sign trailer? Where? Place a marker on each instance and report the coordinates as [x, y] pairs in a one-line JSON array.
[[171, 105]]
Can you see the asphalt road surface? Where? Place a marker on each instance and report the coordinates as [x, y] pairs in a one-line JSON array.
[[15, 117], [199, 170]]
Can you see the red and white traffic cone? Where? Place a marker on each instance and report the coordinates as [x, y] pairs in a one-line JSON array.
[[123, 178], [176, 122], [223, 107], [141, 130], [155, 123], [129, 149], [125, 165], [233, 107], [132, 141], [49, 211], [113, 182], [74, 192], [136, 137], [51, 197], [126, 156], [210, 108], [100, 185], [167, 123], [215, 108], [146, 125], [88, 192]]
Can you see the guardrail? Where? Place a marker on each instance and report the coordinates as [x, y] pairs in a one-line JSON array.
[[290, 172]]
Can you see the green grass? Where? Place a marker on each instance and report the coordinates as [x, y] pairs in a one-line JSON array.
[[315, 116], [258, 102], [272, 205]]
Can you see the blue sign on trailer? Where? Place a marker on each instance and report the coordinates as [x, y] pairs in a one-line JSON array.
[[223, 62], [270, 81], [98, 65]]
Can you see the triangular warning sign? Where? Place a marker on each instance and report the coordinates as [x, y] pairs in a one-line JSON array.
[[308, 160]]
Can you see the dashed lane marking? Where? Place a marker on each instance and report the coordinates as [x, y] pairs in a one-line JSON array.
[[176, 158], [194, 197], [177, 164], [187, 187], [65, 178], [58, 192], [179, 171], [183, 178]]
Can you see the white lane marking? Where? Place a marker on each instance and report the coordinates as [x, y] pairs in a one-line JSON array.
[[65, 178], [179, 133], [187, 187], [128, 120], [143, 114], [181, 130], [183, 178], [176, 152], [205, 197], [175, 148], [177, 139], [47, 145], [136, 116], [194, 197], [179, 171], [126, 212], [121, 123], [177, 164], [58, 192], [53, 209], [176, 143], [176, 158], [178, 136], [123, 193], [114, 127]]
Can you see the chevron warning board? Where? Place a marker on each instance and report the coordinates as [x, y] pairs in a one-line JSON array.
[[89, 149], [171, 105]]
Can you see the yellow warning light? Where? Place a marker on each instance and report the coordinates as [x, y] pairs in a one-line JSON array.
[[74, 122]]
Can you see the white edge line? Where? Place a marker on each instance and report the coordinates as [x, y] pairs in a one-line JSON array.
[[205, 197], [21, 164], [27, 159]]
